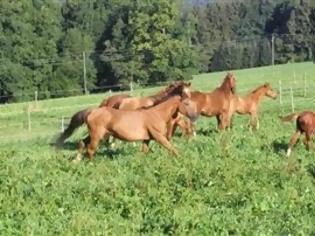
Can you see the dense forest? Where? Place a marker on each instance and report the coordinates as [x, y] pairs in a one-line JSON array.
[[54, 46]]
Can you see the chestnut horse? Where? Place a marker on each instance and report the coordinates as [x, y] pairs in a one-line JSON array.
[[79, 117], [175, 88], [139, 125], [305, 123], [249, 104], [215, 103]]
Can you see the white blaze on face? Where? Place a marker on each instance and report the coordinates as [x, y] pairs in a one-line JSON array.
[[186, 90], [289, 152]]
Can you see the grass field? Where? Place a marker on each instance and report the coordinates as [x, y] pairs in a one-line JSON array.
[[235, 182]]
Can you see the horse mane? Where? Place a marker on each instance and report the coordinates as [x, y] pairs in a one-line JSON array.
[[167, 92]]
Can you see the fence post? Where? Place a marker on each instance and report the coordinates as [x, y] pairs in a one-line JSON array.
[[131, 87], [280, 92], [305, 88], [110, 92], [29, 118], [36, 98], [84, 74], [292, 99], [62, 124], [273, 49]]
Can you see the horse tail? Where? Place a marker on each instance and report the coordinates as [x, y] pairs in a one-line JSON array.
[[77, 120], [290, 117]]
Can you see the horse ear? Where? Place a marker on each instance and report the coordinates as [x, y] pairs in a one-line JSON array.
[[189, 84], [266, 85]]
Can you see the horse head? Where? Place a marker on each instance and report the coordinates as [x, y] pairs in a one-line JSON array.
[[229, 83], [182, 89], [189, 108], [269, 92]]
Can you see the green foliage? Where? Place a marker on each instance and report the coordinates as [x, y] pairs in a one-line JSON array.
[[42, 42]]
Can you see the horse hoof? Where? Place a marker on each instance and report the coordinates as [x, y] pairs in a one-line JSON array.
[[75, 161], [289, 152]]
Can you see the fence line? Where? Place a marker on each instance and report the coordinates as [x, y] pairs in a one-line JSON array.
[[3, 114]]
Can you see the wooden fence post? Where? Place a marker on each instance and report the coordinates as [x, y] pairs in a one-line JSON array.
[[292, 99], [280, 92], [305, 88], [36, 98], [62, 124], [29, 118]]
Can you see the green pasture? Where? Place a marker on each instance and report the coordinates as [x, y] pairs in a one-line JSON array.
[[231, 183]]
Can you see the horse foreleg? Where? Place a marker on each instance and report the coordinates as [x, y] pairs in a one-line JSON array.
[[223, 121], [171, 127], [293, 141], [185, 126], [192, 128], [162, 140], [254, 123]]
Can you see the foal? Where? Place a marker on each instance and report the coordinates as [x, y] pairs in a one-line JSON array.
[[139, 125], [305, 123], [250, 103]]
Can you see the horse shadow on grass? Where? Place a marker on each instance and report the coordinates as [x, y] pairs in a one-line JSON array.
[[206, 132], [103, 150], [279, 146], [311, 170]]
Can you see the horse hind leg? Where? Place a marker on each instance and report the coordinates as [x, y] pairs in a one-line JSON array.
[[91, 147], [96, 135], [308, 141], [293, 141], [82, 144], [145, 146]]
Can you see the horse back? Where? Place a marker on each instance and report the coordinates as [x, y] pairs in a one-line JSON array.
[[306, 122]]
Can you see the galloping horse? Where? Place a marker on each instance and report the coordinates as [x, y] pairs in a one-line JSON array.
[[250, 103], [140, 125], [175, 88], [215, 103], [305, 123], [116, 101]]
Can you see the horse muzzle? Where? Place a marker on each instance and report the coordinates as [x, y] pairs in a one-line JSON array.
[[193, 117]]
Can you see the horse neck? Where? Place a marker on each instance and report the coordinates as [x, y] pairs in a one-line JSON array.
[[225, 88], [257, 95], [168, 108]]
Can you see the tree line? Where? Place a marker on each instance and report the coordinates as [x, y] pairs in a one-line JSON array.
[[49, 46]]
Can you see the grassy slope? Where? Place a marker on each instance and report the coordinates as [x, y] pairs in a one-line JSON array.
[[235, 182]]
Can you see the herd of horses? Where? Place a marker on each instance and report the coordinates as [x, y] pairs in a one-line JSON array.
[[156, 117]]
